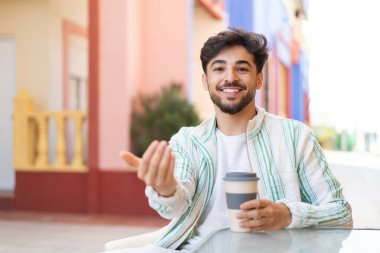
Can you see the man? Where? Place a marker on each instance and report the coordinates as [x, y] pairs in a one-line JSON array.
[[184, 178]]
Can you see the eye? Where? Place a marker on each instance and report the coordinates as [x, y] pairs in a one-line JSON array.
[[218, 69], [242, 69]]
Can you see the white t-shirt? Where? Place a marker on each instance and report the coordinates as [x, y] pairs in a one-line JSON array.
[[232, 155]]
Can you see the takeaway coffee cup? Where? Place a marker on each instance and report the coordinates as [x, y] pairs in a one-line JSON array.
[[240, 187]]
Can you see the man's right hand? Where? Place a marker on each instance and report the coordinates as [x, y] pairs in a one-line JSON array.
[[155, 168]]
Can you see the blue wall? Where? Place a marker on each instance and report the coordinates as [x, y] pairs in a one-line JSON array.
[[299, 88], [240, 13], [297, 99]]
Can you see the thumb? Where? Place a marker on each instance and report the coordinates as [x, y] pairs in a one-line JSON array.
[[132, 161]]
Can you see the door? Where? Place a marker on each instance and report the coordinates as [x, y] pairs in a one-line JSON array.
[[7, 93]]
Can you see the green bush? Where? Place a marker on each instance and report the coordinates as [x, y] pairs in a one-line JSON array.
[[161, 116]]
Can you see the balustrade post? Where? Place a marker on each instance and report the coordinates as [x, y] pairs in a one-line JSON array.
[[78, 162], [60, 160], [42, 142]]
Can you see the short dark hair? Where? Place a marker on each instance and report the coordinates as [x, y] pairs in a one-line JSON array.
[[254, 43]]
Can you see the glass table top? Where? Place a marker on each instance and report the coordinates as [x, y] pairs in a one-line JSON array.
[[293, 240]]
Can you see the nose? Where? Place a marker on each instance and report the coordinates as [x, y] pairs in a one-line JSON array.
[[231, 76]]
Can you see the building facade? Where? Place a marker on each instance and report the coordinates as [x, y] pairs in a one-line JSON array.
[[133, 47]]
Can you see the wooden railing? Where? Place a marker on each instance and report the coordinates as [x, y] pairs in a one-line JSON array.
[[31, 138]]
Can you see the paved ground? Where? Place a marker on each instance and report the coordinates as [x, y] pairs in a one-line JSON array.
[[62, 233], [31, 232], [359, 173]]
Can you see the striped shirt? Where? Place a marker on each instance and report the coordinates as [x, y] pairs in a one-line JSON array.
[[286, 157]]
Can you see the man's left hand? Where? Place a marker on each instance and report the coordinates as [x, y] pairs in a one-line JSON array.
[[263, 215]]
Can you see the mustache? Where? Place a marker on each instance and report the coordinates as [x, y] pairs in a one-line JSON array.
[[232, 85]]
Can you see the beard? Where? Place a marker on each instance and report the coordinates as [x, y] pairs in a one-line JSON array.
[[231, 108]]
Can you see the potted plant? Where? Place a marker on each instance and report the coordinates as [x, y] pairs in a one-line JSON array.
[[159, 116]]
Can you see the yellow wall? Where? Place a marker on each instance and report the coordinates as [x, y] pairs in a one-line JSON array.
[[27, 21], [36, 26], [204, 26]]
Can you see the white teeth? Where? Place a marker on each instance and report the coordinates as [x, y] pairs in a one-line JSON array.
[[231, 90]]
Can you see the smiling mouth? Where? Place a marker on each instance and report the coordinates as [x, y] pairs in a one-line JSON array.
[[231, 90]]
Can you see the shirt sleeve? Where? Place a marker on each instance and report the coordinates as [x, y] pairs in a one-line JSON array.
[[323, 202], [173, 206], [185, 173]]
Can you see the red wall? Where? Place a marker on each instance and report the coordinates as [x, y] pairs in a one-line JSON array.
[[119, 193], [63, 192]]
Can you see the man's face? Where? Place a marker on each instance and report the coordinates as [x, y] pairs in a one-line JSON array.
[[232, 79]]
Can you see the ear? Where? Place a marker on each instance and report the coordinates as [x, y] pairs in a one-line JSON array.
[[204, 81], [260, 80]]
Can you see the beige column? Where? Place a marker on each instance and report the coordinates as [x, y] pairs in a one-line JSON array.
[[23, 143]]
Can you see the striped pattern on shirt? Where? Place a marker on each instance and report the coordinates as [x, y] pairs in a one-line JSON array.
[[287, 158]]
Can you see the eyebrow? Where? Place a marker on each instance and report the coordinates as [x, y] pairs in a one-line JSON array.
[[218, 61], [224, 62], [243, 62]]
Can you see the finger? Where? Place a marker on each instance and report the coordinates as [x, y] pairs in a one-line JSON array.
[[250, 214], [145, 161], [170, 174], [250, 204], [150, 177], [267, 224], [259, 228], [132, 161], [255, 203], [164, 167], [254, 223]]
